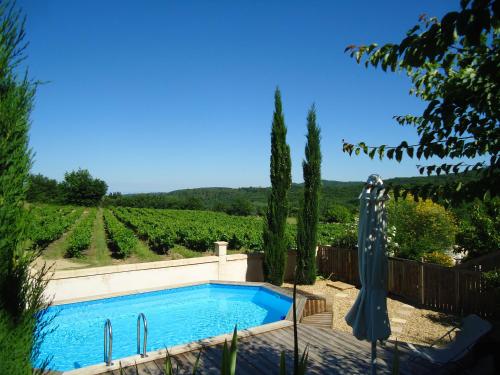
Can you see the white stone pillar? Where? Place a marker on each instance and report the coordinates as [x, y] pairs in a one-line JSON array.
[[221, 252]]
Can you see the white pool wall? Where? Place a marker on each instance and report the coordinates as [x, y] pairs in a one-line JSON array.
[[74, 285]]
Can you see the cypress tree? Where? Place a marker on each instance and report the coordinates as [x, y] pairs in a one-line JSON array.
[[20, 290], [307, 223], [275, 243]]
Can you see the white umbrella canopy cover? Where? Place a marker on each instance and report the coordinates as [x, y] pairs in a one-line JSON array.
[[368, 316]]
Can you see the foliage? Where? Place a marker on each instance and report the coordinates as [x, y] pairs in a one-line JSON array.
[[198, 230], [307, 224], [240, 207], [168, 368], [81, 236], [229, 355], [453, 64], [274, 236], [49, 222], [438, 257], [121, 239], [337, 213], [479, 230], [81, 189], [346, 236], [421, 227], [335, 195], [492, 279], [43, 189], [21, 289]]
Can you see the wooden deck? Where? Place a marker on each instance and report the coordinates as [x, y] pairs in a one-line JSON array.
[[330, 352]]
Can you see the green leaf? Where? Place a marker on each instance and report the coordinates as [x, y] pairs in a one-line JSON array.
[[282, 364], [409, 151], [399, 154], [233, 352], [196, 363]]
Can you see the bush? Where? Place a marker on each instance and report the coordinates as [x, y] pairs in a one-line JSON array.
[[121, 239], [337, 213], [81, 189], [347, 237], [492, 279], [81, 236], [479, 231], [440, 258], [421, 227]]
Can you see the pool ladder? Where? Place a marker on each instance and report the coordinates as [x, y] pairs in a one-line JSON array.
[[108, 343], [145, 324], [108, 339]]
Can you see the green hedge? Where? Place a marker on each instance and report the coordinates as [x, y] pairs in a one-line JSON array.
[[81, 236], [121, 239]]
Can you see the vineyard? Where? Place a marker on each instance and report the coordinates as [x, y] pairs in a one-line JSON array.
[[149, 234], [198, 230]]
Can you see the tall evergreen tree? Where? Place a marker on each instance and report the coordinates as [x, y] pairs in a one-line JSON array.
[[275, 243], [307, 224], [20, 290]]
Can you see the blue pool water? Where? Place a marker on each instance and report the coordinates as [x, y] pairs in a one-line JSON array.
[[175, 316]]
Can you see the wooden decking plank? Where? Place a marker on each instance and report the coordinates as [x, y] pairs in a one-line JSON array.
[[317, 364], [187, 361], [330, 352], [258, 356], [315, 360], [250, 357], [333, 354], [265, 349], [152, 368]]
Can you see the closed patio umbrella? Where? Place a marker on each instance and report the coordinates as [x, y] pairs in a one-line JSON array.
[[368, 316]]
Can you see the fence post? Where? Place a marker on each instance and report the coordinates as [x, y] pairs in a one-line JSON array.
[[221, 252], [422, 295]]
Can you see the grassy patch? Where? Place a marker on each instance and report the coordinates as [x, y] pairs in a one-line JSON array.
[[185, 252], [98, 254], [57, 248], [143, 252]]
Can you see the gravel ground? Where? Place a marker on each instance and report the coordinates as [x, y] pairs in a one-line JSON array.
[[418, 326]]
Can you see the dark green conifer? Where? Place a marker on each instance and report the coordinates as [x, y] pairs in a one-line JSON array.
[[275, 242], [307, 224], [20, 289]]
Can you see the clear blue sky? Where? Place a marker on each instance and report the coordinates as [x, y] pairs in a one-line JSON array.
[[162, 95]]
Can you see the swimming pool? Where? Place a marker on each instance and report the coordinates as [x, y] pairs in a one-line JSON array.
[[174, 316]]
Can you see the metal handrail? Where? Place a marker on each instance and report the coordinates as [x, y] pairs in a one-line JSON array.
[[108, 343], [143, 354]]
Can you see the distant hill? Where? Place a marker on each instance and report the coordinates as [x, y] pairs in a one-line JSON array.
[[253, 200]]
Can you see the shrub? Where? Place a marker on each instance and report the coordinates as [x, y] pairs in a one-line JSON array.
[[347, 237], [479, 231], [121, 239], [81, 236], [421, 227], [440, 258], [337, 213], [492, 279]]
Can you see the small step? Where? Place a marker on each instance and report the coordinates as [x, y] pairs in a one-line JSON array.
[[398, 320], [407, 306], [405, 312], [341, 295], [339, 285], [319, 320]]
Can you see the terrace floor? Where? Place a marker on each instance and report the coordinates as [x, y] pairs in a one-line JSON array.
[[330, 352]]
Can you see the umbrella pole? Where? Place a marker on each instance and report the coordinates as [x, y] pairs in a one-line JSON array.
[[374, 358]]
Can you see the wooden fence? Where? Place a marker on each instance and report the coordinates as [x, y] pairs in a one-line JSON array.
[[441, 288]]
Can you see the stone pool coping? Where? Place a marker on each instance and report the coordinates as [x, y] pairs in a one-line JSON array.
[[195, 345]]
